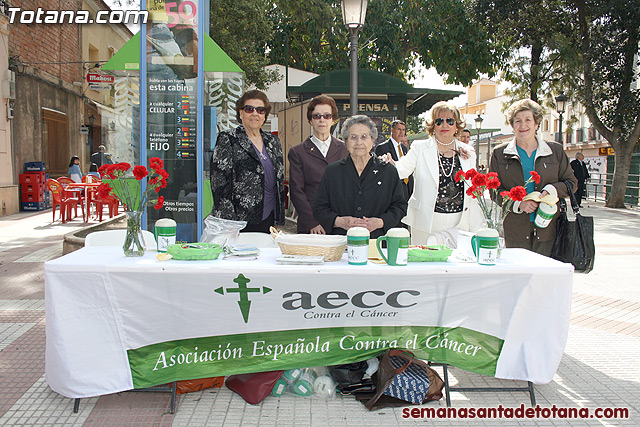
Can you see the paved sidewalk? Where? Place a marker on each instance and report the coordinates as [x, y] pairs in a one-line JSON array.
[[599, 367]]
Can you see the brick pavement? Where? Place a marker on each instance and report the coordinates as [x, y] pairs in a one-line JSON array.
[[599, 367]]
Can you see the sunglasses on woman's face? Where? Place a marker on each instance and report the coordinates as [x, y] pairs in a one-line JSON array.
[[250, 109], [440, 120], [322, 116]]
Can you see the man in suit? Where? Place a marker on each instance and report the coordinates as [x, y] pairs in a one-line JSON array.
[[582, 175], [308, 160], [396, 148], [465, 136]]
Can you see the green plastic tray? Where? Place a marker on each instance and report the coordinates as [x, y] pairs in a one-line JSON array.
[[435, 253], [194, 251]]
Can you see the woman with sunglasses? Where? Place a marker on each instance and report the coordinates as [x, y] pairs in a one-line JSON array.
[[307, 161], [247, 169], [439, 205]]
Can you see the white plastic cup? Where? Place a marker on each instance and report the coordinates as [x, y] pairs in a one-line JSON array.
[[358, 245], [485, 246], [165, 233], [397, 246], [545, 214]]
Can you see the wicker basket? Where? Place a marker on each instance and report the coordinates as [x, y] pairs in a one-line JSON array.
[[330, 247]]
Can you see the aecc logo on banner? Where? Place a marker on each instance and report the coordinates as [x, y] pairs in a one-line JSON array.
[[330, 300]]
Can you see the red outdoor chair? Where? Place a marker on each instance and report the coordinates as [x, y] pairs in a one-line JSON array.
[[64, 180], [90, 193], [110, 201], [64, 199]]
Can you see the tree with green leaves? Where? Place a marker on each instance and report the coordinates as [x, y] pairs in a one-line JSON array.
[[609, 45], [240, 28], [415, 125], [536, 34], [397, 35]]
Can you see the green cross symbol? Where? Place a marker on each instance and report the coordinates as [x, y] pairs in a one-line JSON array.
[[243, 291]]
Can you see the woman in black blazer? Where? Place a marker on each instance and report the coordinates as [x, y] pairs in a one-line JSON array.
[[247, 169]]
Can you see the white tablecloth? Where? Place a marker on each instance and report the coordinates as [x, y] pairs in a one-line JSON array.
[[115, 323]]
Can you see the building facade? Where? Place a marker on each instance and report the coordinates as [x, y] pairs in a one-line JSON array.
[[52, 113]]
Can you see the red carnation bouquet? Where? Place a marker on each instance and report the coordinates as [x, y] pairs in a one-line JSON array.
[[479, 183], [119, 186]]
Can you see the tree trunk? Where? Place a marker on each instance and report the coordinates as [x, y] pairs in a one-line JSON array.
[[534, 84], [623, 153]]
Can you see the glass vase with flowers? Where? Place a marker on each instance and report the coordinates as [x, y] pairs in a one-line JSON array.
[[119, 183], [495, 207]]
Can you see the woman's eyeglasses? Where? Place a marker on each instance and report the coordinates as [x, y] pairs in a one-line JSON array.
[[450, 121], [354, 138], [322, 116], [250, 109]]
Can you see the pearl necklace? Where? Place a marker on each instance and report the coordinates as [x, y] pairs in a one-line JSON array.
[[442, 143], [453, 164]]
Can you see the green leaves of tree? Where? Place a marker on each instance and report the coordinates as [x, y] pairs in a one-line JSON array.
[[397, 33], [240, 28]]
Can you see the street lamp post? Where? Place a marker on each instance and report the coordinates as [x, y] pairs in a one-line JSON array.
[[353, 14], [478, 124], [561, 103]]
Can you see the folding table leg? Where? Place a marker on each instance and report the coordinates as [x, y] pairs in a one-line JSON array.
[[76, 405], [446, 384], [172, 405], [532, 394]]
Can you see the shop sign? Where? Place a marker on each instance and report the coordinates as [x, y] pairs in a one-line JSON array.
[[606, 151], [99, 78], [99, 86]]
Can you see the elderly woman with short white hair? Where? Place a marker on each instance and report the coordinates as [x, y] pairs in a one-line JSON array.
[[360, 190]]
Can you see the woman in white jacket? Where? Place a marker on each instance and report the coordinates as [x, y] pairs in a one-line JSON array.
[[439, 206]]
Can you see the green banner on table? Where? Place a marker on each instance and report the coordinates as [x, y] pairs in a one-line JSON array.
[[268, 351]]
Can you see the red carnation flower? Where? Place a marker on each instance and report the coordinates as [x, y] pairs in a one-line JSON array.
[[122, 166], [156, 163], [110, 170], [479, 180], [163, 184], [104, 190], [471, 191], [140, 172], [493, 183], [517, 193], [535, 176], [102, 170], [471, 173], [459, 175], [491, 175], [163, 173], [504, 193], [158, 205]]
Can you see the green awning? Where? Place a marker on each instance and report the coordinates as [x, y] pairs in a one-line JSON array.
[[128, 57], [374, 82]]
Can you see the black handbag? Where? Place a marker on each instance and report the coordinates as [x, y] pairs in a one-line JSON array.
[[574, 239], [348, 374]]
